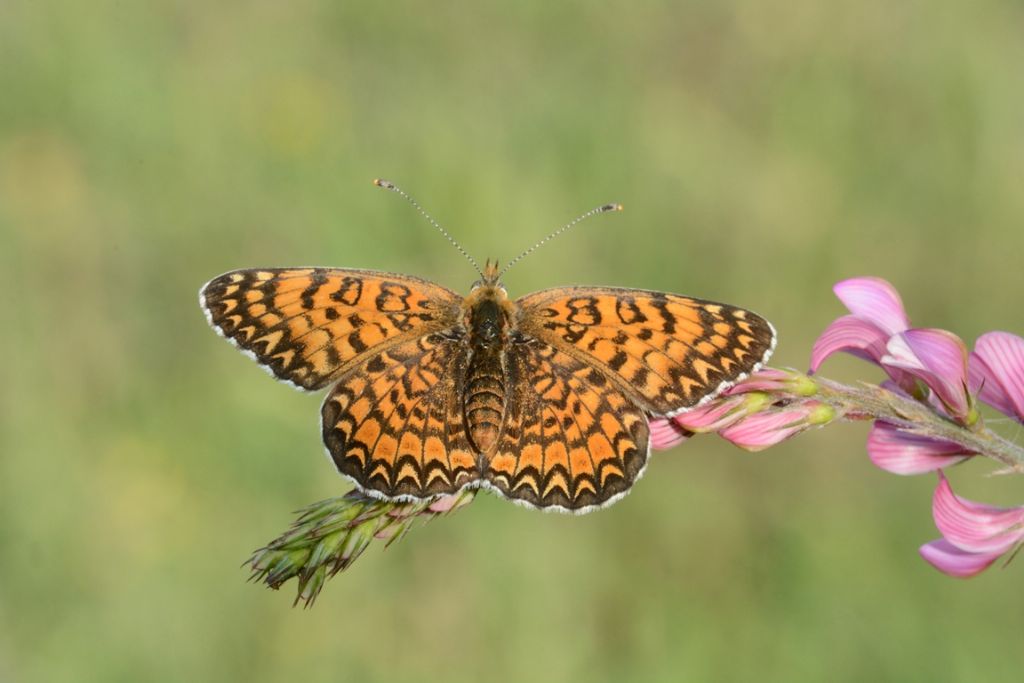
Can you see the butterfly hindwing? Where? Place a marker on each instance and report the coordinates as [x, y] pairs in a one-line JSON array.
[[571, 440], [668, 352], [393, 423], [306, 325]]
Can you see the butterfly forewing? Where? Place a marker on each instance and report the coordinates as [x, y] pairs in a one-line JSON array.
[[667, 352], [306, 325], [571, 439]]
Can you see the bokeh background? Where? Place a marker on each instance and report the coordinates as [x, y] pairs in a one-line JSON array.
[[763, 151]]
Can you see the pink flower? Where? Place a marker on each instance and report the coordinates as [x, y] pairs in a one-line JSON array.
[[876, 315], [763, 429], [953, 561], [878, 331], [900, 452], [750, 396], [775, 380], [939, 359], [665, 433], [721, 413], [711, 417], [974, 535], [997, 372]]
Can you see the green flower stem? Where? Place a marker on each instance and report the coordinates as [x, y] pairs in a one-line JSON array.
[[870, 402]]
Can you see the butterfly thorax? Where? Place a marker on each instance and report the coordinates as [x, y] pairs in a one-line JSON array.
[[487, 311]]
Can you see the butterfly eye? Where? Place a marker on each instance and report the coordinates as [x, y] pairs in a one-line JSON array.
[[477, 285]]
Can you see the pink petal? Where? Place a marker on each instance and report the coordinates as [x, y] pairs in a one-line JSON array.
[[975, 527], [761, 430], [853, 335], [874, 300], [936, 357], [949, 559], [715, 415], [997, 372], [898, 452], [665, 433], [768, 379], [444, 503]]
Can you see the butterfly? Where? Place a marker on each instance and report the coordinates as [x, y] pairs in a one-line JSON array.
[[544, 400]]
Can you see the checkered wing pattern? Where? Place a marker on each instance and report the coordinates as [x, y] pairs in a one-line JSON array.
[[667, 353], [394, 424], [572, 440], [308, 325]]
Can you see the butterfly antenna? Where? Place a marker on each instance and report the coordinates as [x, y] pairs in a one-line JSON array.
[[388, 185], [604, 208]]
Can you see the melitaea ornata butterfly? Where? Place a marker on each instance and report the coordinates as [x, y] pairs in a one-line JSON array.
[[544, 400]]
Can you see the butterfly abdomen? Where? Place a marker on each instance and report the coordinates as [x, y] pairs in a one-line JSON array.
[[485, 398], [484, 402]]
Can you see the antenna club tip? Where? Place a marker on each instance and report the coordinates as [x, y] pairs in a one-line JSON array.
[[386, 184], [611, 207]]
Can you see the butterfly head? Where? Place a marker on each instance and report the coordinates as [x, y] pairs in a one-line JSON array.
[[491, 273], [490, 282], [488, 301]]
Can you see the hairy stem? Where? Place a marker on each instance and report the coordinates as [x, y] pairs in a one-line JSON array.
[[870, 402]]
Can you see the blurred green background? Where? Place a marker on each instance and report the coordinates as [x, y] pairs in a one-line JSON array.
[[763, 151]]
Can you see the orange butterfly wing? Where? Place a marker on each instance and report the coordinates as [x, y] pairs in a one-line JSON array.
[[307, 325], [394, 425], [668, 353], [571, 440]]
